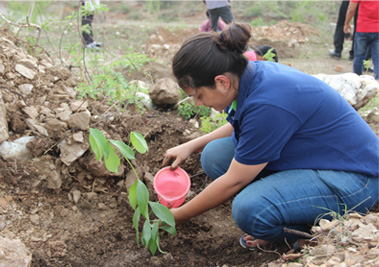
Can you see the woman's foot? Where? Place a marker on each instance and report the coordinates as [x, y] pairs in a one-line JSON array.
[[250, 242]]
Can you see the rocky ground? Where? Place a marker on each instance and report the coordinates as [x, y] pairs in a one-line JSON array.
[[61, 207]]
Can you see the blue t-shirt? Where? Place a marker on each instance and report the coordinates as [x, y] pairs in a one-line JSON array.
[[295, 121]]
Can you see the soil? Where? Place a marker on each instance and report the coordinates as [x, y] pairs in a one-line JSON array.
[[96, 229]]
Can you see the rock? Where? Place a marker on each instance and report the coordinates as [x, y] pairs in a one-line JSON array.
[[80, 120], [35, 127], [24, 71], [31, 111], [26, 88], [56, 128], [70, 152], [16, 150], [13, 253], [76, 106], [78, 137], [76, 194], [165, 92], [357, 90], [327, 225], [4, 135]]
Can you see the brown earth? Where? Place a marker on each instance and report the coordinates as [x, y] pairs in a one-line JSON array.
[[96, 230]]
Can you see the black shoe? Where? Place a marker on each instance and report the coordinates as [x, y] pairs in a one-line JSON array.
[[351, 57], [333, 53]]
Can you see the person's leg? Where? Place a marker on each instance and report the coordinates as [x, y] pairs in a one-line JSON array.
[[226, 14], [339, 35], [296, 198], [213, 18], [87, 37], [374, 49], [360, 47], [217, 156]]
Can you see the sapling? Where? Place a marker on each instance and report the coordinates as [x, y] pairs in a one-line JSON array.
[[138, 193]]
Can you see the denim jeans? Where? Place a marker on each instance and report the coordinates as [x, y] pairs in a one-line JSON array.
[[293, 199], [364, 40]]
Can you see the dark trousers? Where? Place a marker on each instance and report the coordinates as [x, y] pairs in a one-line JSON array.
[[87, 37], [339, 35]]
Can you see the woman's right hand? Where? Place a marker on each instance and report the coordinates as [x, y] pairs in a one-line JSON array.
[[177, 155]]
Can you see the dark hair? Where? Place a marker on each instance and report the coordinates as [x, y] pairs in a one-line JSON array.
[[263, 49], [205, 55]]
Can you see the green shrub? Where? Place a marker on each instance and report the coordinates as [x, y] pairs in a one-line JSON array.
[[188, 110], [209, 125]]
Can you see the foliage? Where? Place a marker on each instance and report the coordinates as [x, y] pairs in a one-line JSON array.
[[304, 11], [85, 11], [209, 124], [269, 56], [330, 213], [366, 64], [255, 10], [112, 85], [188, 109], [31, 8], [138, 193], [257, 22]]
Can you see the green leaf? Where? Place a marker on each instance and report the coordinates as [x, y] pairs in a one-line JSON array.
[[124, 149], [143, 199], [139, 142], [163, 213], [136, 218], [133, 195], [112, 161], [146, 233], [154, 240], [169, 229], [99, 143]]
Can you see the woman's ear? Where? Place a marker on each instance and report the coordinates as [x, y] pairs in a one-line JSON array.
[[222, 82]]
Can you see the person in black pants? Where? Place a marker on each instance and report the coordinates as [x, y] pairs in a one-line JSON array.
[[87, 37], [340, 36]]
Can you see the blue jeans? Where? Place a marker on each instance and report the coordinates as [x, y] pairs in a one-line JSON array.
[[293, 199], [364, 40]]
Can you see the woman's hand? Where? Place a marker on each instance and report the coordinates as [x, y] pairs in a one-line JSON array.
[[177, 155]]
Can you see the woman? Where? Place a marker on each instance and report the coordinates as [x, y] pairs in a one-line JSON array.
[[293, 148]]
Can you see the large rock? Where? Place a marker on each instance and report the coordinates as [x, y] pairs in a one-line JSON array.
[[17, 149], [165, 92], [357, 90], [13, 253]]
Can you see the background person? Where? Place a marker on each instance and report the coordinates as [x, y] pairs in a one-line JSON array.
[[339, 34], [87, 38], [366, 35], [289, 151], [217, 9], [206, 25]]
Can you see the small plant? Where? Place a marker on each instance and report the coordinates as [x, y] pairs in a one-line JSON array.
[[269, 56], [209, 124], [366, 65], [187, 110], [138, 193]]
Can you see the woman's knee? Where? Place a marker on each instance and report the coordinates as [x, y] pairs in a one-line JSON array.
[[217, 156], [249, 217]]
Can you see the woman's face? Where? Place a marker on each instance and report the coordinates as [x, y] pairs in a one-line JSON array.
[[218, 97]]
